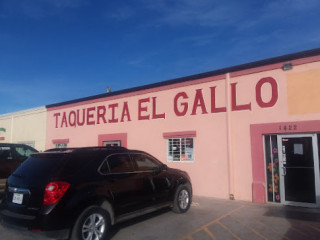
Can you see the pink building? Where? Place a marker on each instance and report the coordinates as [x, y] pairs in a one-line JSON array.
[[248, 132]]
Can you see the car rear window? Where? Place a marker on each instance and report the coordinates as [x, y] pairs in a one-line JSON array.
[[41, 165], [60, 164]]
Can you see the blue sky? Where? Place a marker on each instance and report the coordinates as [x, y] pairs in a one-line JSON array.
[[58, 50]]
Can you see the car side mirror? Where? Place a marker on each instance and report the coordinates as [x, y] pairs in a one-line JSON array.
[[164, 167], [157, 170]]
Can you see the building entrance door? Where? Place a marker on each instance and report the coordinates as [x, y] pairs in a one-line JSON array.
[[299, 170]]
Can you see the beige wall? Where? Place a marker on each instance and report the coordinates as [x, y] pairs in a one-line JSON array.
[[303, 91], [24, 127]]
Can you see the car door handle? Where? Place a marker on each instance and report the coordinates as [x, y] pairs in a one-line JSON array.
[[284, 171]]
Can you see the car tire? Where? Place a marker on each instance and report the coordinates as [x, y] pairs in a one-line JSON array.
[[92, 224], [182, 199]]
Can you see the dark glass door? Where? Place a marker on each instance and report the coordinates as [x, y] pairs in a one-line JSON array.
[[299, 169]]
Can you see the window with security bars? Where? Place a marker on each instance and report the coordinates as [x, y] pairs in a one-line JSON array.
[[180, 149], [61, 145]]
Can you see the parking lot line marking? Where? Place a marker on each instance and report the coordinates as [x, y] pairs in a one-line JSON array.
[[272, 229], [210, 233], [250, 228], [214, 221], [229, 230]]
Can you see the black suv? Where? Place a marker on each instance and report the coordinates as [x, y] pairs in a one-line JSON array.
[[11, 156], [79, 193]]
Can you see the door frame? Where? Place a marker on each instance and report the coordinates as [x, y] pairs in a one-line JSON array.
[[316, 169]]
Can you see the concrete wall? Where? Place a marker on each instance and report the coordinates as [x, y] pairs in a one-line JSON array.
[[27, 126]]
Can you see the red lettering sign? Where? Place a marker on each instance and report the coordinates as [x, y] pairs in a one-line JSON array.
[[72, 119], [234, 105], [90, 115], [215, 109], [199, 102], [154, 110], [274, 92], [143, 108], [148, 108], [125, 112], [113, 118], [81, 123], [101, 112], [64, 120], [183, 104], [56, 115]]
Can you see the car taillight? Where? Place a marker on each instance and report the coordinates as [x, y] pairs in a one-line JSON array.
[[54, 191]]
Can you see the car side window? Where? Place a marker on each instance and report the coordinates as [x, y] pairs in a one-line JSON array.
[[29, 151], [24, 151], [5, 153], [117, 163], [144, 162]]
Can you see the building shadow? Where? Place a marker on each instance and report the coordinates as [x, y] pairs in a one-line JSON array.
[[295, 213], [303, 223]]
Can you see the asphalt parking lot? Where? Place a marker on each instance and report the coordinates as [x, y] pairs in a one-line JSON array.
[[214, 219]]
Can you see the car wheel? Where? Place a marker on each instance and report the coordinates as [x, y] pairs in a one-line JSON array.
[[92, 224], [182, 199]]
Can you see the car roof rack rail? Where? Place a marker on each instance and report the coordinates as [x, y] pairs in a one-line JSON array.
[[85, 148]]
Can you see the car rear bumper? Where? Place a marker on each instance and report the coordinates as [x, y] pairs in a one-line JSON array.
[[2, 184], [34, 224]]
